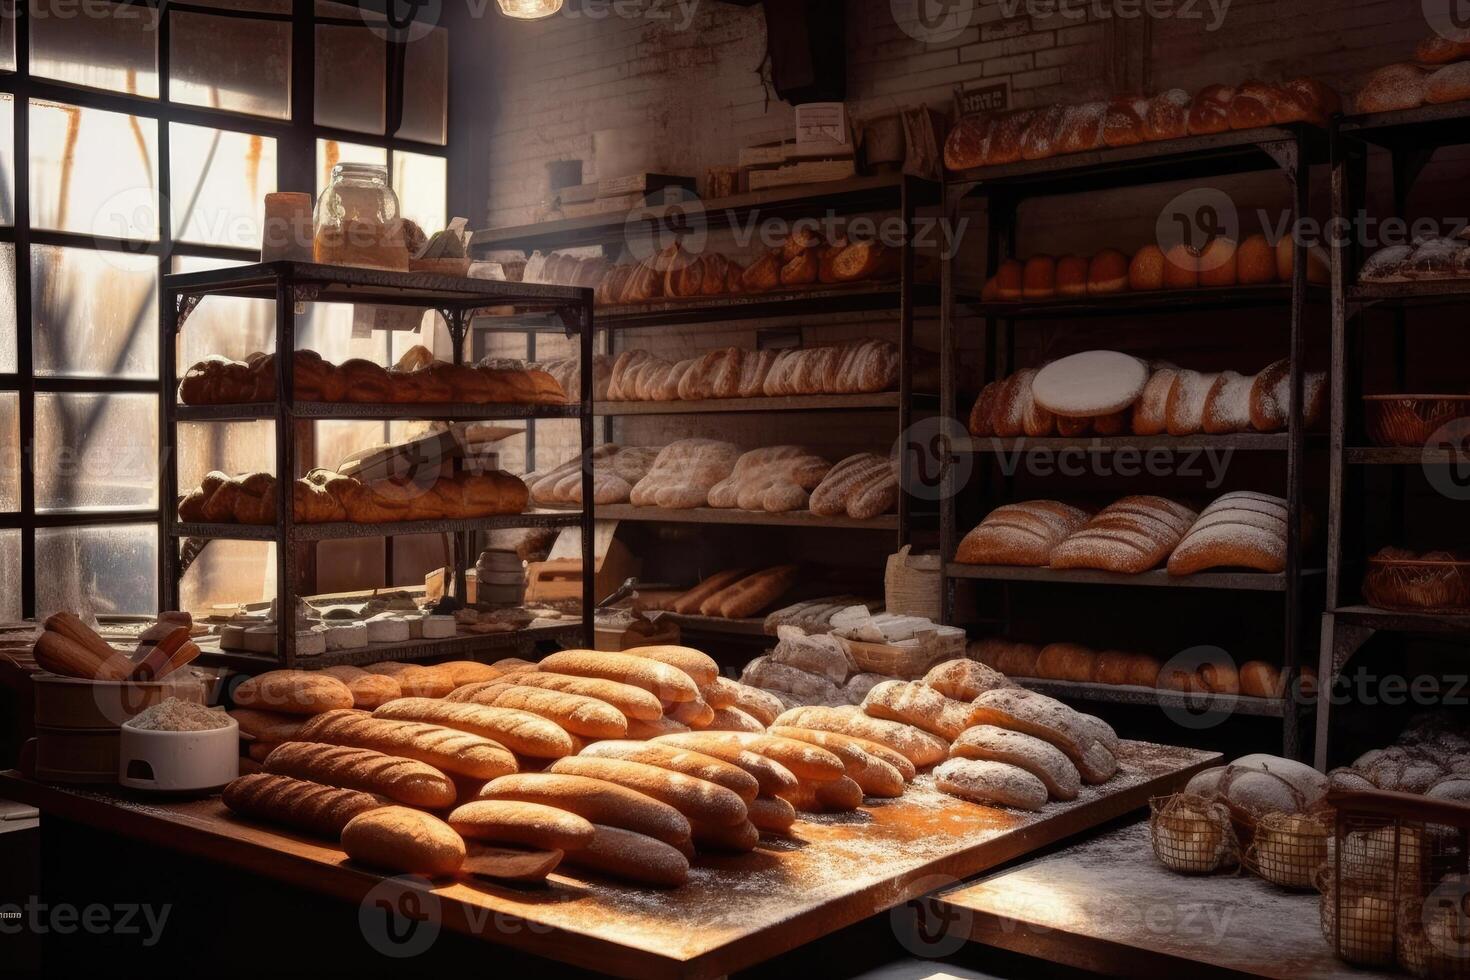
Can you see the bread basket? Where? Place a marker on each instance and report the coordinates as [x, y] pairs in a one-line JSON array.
[[1423, 584], [1410, 420]]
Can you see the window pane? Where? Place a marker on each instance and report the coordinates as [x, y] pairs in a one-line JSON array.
[[10, 574], [226, 325], [351, 68], [421, 184], [96, 313], [230, 447], [111, 46], [229, 572], [7, 35], [94, 172], [329, 153], [7, 308], [425, 88], [7, 154], [231, 63], [98, 570], [220, 180], [9, 451], [96, 452]]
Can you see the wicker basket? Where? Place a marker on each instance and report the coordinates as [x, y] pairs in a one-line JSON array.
[[1410, 420], [1418, 584], [1192, 834], [911, 585]]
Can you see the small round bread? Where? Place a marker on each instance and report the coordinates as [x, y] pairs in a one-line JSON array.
[[771, 813], [1255, 261], [403, 840], [1042, 759], [1072, 275], [631, 856], [1092, 383], [1107, 272], [527, 824], [981, 781], [1039, 277], [699, 665], [666, 682], [701, 801], [695, 764], [1146, 269], [293, 692], [596, 800]]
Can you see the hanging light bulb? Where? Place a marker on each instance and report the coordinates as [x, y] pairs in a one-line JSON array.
[[529, 9]]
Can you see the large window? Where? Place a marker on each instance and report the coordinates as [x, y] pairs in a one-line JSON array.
[[135, 142]]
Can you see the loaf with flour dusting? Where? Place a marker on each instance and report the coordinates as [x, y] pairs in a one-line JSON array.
[[862, 486], [1020, 534], [1040, 758], [1185, 410], [684, 472], [990, 782], [774, 479], [964, 680], [1051, 721], [1131, 536], [919, 705], [1150, 414], [1239, 530], [1270, 407], [918, 746]]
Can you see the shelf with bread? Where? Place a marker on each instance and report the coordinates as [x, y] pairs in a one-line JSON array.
[[1422, 100], [438, 484], [1158, 578]]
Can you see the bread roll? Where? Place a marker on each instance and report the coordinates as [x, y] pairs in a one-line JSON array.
[[1008, 280], [1255, 261], [1039, 277], [446, 749], [1210, 112], [1003, 144], [596, 800], [964, 148], [665, 682], [531, 825], [1041, 759], [1065, 662], [398, 839], [991, 783], [1150, 414], [522, 732], [1107, 272], [1216, 262], [1168, 115], [1081, 128], [314, 808], [1123, 123], [631, 856], [403, 780], [1147, 269], [697, 765], [1181, 267], [293, 692], [699, 800], [1071, 275]]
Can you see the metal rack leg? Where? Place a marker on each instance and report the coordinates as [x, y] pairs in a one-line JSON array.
[[588, 525]]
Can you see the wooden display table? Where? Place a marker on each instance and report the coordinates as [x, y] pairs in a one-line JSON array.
[[733, 913], [1108, 906]]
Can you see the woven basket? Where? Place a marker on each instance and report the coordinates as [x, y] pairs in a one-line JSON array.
[[911, 584]]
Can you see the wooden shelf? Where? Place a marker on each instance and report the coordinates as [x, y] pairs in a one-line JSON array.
[[1130, 694], [884, 400], [719, 515], [1423, 292], [1158, 578], [753, 628], [803, 301], [1427, 125], [464, 645], [1128, 302], [1404, 456], [1278, 442], [1404, 622], [363, 410], [349, 529]]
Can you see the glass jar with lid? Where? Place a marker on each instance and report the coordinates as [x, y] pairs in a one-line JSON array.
[[358, 220]]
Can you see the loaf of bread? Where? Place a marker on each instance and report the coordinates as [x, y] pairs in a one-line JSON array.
[[446, 749], [701, 801], [1121, 667], [759, 704], [635, 703], [404, 780], [1066, 662], [326, 497], [577, 714], [416, 680], [293, 692], [368, 689], [1239, 530], [840, 795], [862, 486], [631, 856], [700, 666], [990, 783], [771, 776], [1270, 407], [522, 732], [1020, 534], [1041, 759], [964, 680], [684, 472], [697, 765], [269, 726], [751, 594], [918, 746], [774, 479], [690, 602], [873, 775], [803, 686], [1131, 536], [665, 682], [900, 762], [802, 759], [596, 800], [405, 841], [532, 825], [1392, 87], [919, 705], [70, 648], [315, 808], [1053, 722]]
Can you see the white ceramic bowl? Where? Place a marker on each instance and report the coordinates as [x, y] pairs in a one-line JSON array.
[[176, 762]]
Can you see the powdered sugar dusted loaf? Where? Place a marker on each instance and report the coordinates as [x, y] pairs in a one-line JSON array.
[[1239, 530], [1097, 382]]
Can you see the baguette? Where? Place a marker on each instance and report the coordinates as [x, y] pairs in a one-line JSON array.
[[833, 796], [772, 813], [402, 780], [315, 808], [85, 651], [991, 782], [668, 683], [699, 665], [294, 692], [416, 680], [761, 705], [739, 838], [576, 713], [1042, 759], [398, 839], [368, 689], [695, 764], [449, 750], [875, 776], [632, 856], [719, 693], [520, 731], [635, 703], [596, 800], [751, 594], [269, 726], [1051, 721], [919, 705], [646, 730], [827, 740], [918, 746], [692, 714], [463, 672], [771, 777], [689, 602], [733, 720], [804, 760], [702, 802], [531, 825]]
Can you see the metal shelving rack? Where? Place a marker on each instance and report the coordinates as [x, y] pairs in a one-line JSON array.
[[456, 299], [1289, 150], [897, 193], [1411, 138]]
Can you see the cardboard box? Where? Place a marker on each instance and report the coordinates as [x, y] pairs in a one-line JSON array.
[[809, 172], [560, 576]]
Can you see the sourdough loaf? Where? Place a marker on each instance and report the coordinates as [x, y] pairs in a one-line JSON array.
[[862, 486], [1020, 534], [1130, 536], [1239, 530]]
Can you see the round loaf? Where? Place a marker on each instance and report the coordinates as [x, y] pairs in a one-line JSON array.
[[699, 800], [694, 764], [293, 692], [1146, 269], [631, 856], [1107, 272], [981, 781], [398, 839], [528, 824], [1090, 384], [597, 800], [1043, 760], [1317, 261], [666, 682]]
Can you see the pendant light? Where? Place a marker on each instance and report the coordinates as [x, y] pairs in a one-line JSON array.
[[529, 9]]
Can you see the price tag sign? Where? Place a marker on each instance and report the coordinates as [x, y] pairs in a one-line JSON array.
[[366, 319]]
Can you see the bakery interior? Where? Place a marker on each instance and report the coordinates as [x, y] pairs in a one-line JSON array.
[[686, 488]]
